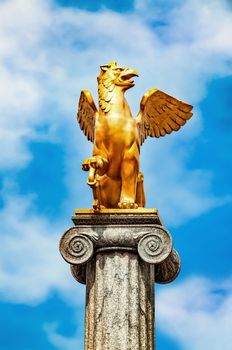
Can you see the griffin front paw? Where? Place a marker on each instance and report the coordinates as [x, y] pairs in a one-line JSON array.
[[85, 165], [93, 162], [96, 162]]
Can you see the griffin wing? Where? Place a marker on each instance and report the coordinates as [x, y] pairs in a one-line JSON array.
[[160, 114], [86, 114]]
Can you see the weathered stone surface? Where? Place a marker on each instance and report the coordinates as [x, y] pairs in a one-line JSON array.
[[79, 273], [169, 269], [119, 302], [76, 248], [119, 256], [155, 246]]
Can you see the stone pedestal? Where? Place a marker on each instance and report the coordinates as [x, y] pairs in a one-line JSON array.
[[119, 254]]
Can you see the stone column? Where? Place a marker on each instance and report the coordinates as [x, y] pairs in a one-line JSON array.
[[119, 254]]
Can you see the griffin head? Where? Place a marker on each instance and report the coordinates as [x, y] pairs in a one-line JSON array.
[[111, 73], [160, 114]]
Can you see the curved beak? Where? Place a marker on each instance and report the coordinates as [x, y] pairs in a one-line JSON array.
[[129, 73]]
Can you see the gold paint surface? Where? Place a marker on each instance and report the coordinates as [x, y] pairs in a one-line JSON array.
[[114, 167], [117, 211]]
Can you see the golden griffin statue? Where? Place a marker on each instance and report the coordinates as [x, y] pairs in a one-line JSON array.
[[114, 173]]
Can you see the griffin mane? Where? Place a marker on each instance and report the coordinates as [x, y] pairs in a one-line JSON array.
[[105, 92]]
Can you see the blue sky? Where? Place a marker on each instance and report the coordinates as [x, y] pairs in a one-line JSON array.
[[49, 52]]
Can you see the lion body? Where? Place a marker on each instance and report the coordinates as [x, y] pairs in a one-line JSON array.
[[116, 140]]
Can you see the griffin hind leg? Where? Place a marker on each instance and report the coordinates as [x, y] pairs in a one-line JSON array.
[[109, 191], [129, 174]]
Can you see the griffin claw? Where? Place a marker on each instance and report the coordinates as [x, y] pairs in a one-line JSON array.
[[94, 162], [127, 205]]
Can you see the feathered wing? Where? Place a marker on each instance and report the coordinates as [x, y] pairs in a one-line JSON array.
[[160, 114], [86, 114]]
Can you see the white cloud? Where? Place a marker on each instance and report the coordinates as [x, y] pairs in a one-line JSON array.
[[30, 264], [61, 342], [197, 313]]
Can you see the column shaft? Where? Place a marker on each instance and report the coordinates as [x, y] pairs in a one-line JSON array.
[[119, 302]]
